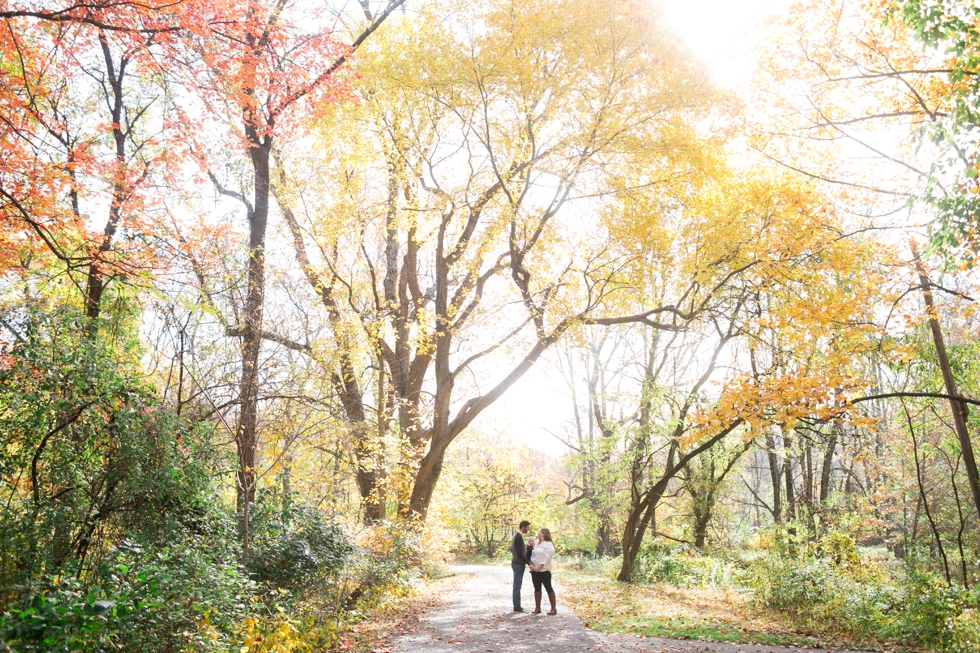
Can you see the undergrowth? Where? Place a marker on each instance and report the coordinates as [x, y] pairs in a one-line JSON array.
[[788, 591]]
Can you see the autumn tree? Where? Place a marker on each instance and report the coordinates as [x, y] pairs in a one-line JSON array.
[[81, 137], [834, 78], [81, 172], [591, 362], [905, 69], [704, 479], [950, 29], [254, 66], [476, 206], [782, 250], [487, 491]]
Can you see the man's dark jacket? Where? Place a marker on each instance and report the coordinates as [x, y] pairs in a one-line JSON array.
[[520, 554]]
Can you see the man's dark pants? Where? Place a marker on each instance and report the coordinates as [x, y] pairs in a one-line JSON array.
[[518, 568]]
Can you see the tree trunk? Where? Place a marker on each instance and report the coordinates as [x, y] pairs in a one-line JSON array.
[[827, 467], [959, 533], [775, 474], [644, 504], [369, 471], [701, 528], [443, 432], [636, 525], [808, 474], [96, 278], [790, 485], [703, 506], [367, 451], [924, 498], [425, 483], [604, 546], [958, 408], [246, 435]]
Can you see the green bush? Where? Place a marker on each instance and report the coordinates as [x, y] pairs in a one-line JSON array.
[[183, 596], [592, 564], [111, 536], [90, 455], [965, 631], [683, 566], [293, 546], [66, 617], [932, 608], [797, 587], [385, 563], [827, 586], [825, 582]]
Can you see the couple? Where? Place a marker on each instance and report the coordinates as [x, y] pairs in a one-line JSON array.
[[537, 555]]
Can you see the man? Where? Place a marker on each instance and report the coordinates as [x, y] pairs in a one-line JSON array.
[[518, 561]]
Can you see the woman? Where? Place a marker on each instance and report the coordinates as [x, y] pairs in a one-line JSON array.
[[541, 555]]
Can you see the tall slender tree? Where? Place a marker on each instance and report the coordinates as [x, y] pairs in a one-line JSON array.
[[254, 65]]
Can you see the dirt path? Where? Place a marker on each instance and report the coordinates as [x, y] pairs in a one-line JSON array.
[[475, 617]]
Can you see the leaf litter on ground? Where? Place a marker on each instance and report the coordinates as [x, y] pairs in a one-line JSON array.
[[710, 614], [379, 629]]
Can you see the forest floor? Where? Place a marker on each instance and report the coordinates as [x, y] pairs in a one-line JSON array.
[[716, 614], [470, 612]]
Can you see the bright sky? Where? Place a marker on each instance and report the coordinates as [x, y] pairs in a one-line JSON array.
[[719, 32]]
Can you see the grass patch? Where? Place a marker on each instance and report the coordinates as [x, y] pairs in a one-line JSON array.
[[715, 615]]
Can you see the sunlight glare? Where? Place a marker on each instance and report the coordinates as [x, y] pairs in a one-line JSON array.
[[720, 33]]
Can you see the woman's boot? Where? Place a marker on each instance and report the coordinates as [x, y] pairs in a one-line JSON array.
[[551, 597], [537, 603]]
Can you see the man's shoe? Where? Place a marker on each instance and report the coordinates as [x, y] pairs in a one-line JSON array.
[[518, 609]]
